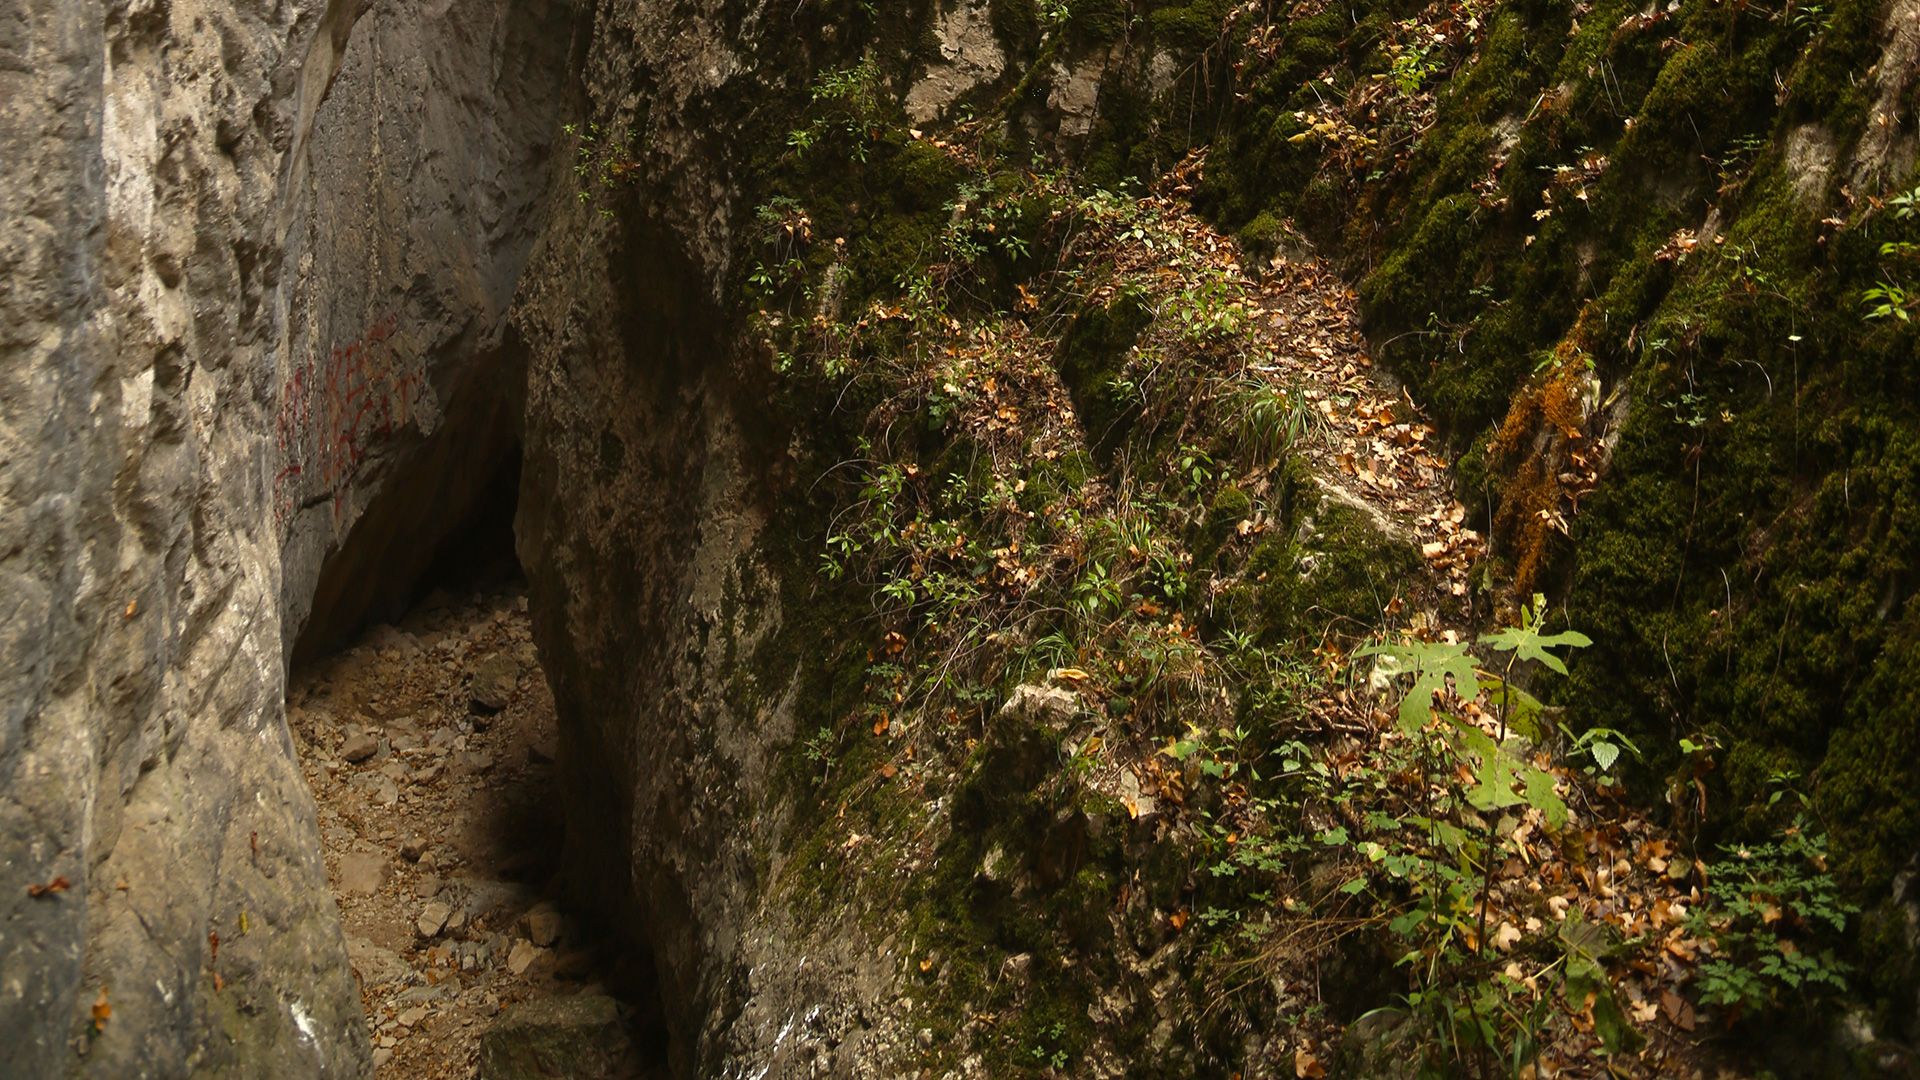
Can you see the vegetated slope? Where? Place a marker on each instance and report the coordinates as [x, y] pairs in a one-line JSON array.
[[974, 644], [1101, 765], [1649, 266]]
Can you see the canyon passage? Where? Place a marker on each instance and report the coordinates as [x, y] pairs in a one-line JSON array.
[[1105, 538]]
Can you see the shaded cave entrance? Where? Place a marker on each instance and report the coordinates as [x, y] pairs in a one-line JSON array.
[[420, 707]]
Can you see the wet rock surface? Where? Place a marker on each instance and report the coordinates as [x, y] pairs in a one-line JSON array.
[[440, 842]]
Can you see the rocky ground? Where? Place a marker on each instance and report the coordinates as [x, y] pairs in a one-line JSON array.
[[429, 747]]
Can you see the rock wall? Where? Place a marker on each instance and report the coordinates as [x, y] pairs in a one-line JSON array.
[[656, 468], [256, 261]]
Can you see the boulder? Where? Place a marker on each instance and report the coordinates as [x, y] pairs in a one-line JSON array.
[[578, 1038]]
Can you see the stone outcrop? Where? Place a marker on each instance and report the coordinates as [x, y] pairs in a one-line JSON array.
[[256, 262]]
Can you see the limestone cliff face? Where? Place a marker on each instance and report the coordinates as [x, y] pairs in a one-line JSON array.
[[654, 470], [255, 261]]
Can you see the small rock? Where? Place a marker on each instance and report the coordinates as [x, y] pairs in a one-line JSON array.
[[414, 848], [427, 887], [540, 752], [362, 872], [412, 1016], [522, 956], [543, 925], [475, 761], [389, 792], [495, 680], [433, 918], [442, 738], [375, 965], [1017, 967], [359, 748], [421, 995], [1042, 705], [384, 637], [381, 1057], [395, 771], [577, 1037]]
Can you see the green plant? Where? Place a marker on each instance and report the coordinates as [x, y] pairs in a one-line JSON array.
[[1274, 421], [1887, 299], [1048, 1051], [1773, 914], [600, 160]]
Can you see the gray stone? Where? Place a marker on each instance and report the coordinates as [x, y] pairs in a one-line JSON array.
[[377, 966], [362, 872], [1047, 705], [578, 1037], [495, 680], [358, 748], [433, 919]]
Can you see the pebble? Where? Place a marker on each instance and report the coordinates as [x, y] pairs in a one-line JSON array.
[[433, 919], [427, 887], [523, 955], [359, 748]]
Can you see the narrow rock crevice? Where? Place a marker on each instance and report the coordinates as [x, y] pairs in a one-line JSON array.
[[429, 743]]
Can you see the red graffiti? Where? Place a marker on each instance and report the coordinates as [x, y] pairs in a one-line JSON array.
[[333, 412]]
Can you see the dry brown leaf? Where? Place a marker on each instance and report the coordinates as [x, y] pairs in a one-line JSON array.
[[1506, 937], [101, 1010], [1306, 1066], [57, 885]]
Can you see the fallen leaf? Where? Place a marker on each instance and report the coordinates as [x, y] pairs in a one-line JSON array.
[[1306, 1066], [57, 885], [880, 725], [927, 964], [888, 770], [1072, 675], [1506, 937], [101, 1010], [1679, 1012], [1178, 919]]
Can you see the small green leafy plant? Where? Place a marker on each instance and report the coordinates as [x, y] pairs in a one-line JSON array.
[[1772, 915]]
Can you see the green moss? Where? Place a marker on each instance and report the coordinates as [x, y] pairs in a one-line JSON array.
[[1090, 359], [1336, 581]]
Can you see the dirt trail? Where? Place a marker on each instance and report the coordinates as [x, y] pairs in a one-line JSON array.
[[429, 747]]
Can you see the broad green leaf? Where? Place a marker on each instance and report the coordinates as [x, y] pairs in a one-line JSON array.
[[1541, 796], [1605, 754], [1527, 641]]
